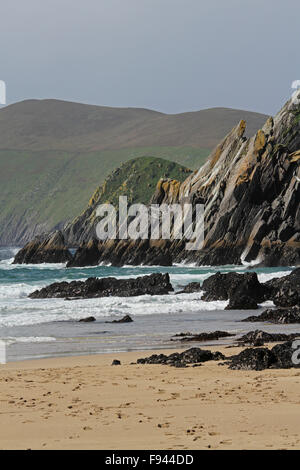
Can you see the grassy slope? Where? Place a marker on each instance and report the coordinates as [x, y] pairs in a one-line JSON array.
[[41, 189], [136, 179]]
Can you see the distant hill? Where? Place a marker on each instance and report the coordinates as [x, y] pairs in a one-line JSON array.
[[54, 154], [61, 125], [137, 179]]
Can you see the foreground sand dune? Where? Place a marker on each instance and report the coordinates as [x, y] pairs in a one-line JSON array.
[[85, 403]]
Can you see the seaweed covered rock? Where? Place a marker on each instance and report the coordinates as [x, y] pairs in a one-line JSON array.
[[258, 336], [190, 356], [253, 359]]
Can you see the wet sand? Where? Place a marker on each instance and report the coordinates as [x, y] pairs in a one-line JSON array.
[[85, 403]]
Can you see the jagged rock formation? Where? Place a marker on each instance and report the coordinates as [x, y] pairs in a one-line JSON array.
[[155, 284], [44, 249], [279, 316], [251, 191]]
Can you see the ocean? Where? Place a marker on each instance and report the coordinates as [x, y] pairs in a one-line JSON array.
[[35, 329]]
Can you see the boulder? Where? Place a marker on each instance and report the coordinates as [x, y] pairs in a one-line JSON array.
[[253, 359], [241, 302], [87, 320], [224, 286], [126, 319]]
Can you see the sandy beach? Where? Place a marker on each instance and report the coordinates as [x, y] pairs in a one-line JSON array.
[[86, 403]]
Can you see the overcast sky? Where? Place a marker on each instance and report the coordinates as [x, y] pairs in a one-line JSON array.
[[168, 55]]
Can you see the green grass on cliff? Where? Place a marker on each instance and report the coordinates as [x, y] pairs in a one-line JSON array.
[[41, 189]]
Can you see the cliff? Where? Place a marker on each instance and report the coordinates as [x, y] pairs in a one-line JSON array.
[[251, 191]]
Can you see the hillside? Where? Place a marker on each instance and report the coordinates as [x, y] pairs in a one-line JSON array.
[[136, 179], [54, 154]]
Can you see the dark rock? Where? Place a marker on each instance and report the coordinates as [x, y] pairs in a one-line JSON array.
[[87, 319], [190, 288], [280, 316], [287, 355], [203, 336], [126, 319], [232, 285], [254, 337], [86, 255], [116, 362], [253, 359], [191, 356], [241, 302], [49, 248], [285, 291], [154, 284]]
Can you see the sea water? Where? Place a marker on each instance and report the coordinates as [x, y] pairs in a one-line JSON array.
[[49, 327]]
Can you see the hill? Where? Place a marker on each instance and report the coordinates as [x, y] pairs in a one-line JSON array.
[[53, 154], [136, 179]]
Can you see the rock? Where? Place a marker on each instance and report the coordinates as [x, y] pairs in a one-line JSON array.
[[258, 336], [49, 248], [87, 319], [281, 356], [154, 284], [126, 319], [190, 356], [203, 336], [280, 316], [241, 302], [285, 291], [253, 359], [86, 255], [232, 285], [285, 353], [191, 288], [116, 362]]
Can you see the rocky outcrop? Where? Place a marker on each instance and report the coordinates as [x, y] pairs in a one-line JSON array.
[[281, 356], [251, 192], [285, 291], [44, 249], [259, 337], [279, 316], [234, 286], [120, 252], [155, 284], [126, 319], [201, 337], [191, 356]]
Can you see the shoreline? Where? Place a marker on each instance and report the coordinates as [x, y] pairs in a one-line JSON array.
[[83, 402]]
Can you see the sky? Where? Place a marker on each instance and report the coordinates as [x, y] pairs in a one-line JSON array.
[[169, 55]]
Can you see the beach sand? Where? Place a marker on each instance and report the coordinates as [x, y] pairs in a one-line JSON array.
[[85, 403]]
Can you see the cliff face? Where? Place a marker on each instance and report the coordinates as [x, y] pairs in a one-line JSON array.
[[251, 189]]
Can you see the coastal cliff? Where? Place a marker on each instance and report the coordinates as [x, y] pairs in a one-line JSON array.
[[251, 191]]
